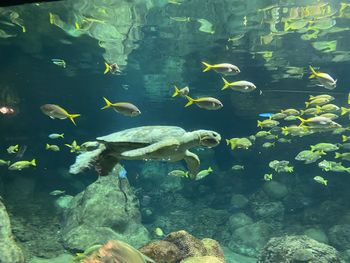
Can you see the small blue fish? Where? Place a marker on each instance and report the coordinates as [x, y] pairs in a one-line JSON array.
[[266, 115], [122, 174]]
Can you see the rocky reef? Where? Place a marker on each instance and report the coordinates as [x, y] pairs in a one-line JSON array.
[[106, 210], [298, 249], [10, 252]]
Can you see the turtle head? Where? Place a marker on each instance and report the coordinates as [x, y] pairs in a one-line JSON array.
[[208, 138]]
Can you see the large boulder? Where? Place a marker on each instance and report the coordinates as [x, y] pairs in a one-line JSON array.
[[9, 251], [106, 210], [275, 190], [249, 239], [293, 249]]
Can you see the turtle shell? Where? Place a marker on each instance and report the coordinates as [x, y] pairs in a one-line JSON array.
[[143, 135]]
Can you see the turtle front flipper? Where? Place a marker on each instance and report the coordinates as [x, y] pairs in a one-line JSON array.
[[192, 162], [156, 151]]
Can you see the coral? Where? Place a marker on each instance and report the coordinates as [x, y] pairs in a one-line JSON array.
[[9, 251], [275, 190], [116, 251], [106, 210], [181, 245], [189, 245], [339, 236], [162, 251], [203, 259], [213, 248], [291, 249]]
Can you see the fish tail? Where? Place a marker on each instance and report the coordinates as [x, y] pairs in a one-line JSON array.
[[207, 66], [259, 124], [190, 101], [307, 104], [210, 169], [108, 104], [311, 97], [322, 152], [176, 92], [33, 162], [302, 112], [226, 84], [286, 26], [344, 138], [76, 24], [349, 98], [8, 163], [343, 111], [325, 182], [302, 121], [52, 19], [47, 146], [312, 148], [313, 72], [348, 169], [337, 155], [227, 141], [285, 131], [107, 68], [61, 135], [318, 109], [72, 117]]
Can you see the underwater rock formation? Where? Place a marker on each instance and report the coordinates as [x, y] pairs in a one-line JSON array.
[[181, 246], [339, 236], [204, 259], [298, 249], [106, 210], [9, 251]]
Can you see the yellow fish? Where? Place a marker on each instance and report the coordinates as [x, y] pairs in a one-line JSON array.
[[18, 166], [207, 103], [52, 147], [324, 79], [182, 92], [74, 147], [3, 162], [13, 149]]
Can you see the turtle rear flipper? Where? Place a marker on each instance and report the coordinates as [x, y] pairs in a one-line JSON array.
[[192, 162], [153, 151]]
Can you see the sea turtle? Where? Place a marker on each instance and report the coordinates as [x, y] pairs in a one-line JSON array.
[[165, 143]]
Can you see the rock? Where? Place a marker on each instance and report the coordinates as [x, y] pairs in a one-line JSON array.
[[203, 259], [162, 251], [317, 234], [9, 251], [270, 210], [339, 236], [239, 201], [295, 249], [213, 248], [106, 210], [238, 220], [249, 239], [63, 202], [64, 258], [275, 190], [188, 245]]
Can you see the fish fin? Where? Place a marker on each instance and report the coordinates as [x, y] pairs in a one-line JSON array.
[[344, 138], [286, 26], [233, 145], [52, 20], [325, 182], [314, 73], [210, 169], [33, 162], [72, 117], [302, 112], [61, 135], [190, 101], [227, 142], [337, 155], [176, 92], [107, 68], [226, 84], [108, 104], [343, 111], [76, 24], [47, 146], [311, 97], [322, 152], [207, 66], [285, 131], [307, 104], [312, 148]]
